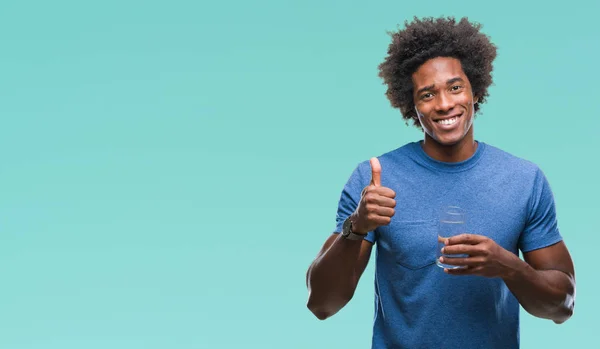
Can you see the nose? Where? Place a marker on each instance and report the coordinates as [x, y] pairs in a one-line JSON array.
[[444, 103]]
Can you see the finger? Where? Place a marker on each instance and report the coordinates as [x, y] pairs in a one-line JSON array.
[[461, 249], [384, 191], [375, 172], [382, 211], [467, 261], [467, 239], [379, 220], [463, 271], [380, 200]]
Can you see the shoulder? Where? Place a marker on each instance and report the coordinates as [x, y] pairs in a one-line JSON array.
[[507, 162]]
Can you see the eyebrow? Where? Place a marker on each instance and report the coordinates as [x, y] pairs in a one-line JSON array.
[[430, 87]]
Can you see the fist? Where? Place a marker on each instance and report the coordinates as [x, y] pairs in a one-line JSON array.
[[376, 207]]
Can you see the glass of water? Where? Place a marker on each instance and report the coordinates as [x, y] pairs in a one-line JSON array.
[[452, 223]]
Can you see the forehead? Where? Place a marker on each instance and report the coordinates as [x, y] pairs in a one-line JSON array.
[[437, 71]]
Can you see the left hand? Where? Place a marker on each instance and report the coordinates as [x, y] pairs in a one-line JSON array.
[[486, 257]]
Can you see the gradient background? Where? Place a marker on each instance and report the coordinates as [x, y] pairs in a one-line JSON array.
[[170, 169]]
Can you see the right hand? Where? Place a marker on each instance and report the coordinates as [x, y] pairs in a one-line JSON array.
[[376, 207]]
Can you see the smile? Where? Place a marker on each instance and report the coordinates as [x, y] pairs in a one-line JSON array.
[[448, 122]]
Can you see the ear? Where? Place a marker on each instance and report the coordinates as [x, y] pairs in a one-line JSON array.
[[475, 99]]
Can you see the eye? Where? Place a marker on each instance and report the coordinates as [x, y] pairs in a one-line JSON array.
[[456, 88], [426, 95]]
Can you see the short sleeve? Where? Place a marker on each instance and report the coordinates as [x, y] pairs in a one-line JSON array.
[[541, 229], [350, 198]]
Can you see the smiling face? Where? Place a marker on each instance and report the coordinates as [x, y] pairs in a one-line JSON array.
[[444, 103]]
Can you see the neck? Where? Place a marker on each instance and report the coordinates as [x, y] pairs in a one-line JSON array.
[[458, 152]]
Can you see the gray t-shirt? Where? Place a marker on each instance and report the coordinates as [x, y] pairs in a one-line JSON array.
[[417, 305]]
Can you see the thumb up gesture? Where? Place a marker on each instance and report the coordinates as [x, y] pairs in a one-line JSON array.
[[376, 207]]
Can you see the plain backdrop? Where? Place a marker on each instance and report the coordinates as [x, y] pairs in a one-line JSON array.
[[169, 169]]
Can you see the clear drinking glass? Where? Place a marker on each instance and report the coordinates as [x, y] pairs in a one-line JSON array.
[[452, 223]]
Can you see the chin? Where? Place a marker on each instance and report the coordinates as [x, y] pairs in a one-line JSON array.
[[449, 141]]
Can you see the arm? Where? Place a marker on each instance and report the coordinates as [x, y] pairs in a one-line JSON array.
[[333, 276], [544, 283]]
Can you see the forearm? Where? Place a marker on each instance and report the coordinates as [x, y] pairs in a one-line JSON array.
[[546, 294], [332, 277]]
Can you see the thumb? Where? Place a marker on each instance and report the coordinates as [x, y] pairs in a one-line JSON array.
[[375, 172]]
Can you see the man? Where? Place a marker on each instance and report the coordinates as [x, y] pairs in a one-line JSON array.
[[437, 72]]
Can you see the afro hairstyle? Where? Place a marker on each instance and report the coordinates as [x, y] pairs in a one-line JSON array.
[[427, 38]]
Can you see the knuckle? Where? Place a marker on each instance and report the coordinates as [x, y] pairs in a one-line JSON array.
[[371, 197], [367, 197]]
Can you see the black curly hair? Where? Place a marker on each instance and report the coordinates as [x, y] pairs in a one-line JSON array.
[[427, 38]]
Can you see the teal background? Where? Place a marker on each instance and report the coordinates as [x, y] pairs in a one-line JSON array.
[[170, 169]]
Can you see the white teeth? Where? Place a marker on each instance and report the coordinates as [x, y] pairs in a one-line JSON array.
[[447, 121]]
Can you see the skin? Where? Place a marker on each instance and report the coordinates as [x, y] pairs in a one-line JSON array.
[[441, 89], [333, 276], [543, 283]]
